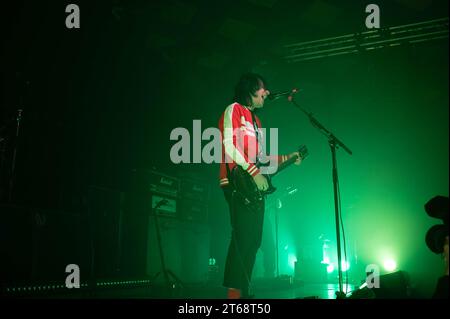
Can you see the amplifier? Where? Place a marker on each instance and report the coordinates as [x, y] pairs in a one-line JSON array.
[[193, 211], [169, 208], [194, 190], [155, 182]]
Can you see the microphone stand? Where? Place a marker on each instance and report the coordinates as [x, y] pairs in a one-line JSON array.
[[169, 285], [334, 143], [14, 155], [276, 241]]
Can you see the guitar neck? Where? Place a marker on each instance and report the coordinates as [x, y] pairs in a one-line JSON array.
[[286, 164]]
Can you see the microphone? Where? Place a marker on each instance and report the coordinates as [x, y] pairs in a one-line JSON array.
[[276, 96], [161, 203]]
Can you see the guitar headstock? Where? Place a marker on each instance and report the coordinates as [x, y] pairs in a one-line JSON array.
[[303, 151]]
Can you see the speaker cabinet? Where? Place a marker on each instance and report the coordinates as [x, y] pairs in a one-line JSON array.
[[105, 208], [393, 286], [184, 234], [36, 245], [170, 243], [184, 247], [16, 231]]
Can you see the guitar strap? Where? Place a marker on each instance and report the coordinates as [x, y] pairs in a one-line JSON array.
[[228, 172], [255, 126]]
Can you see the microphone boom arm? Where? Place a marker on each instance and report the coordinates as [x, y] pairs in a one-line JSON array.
[[327, 133]]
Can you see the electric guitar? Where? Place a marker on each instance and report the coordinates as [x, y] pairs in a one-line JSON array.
[[245, 186]]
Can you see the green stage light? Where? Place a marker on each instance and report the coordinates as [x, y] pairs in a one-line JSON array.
[[345, 265], [292, 259], [330, 268], [389, 265]]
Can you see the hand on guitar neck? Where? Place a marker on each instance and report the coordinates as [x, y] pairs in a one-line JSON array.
[[297, 155], [261, 181], [254, 188]]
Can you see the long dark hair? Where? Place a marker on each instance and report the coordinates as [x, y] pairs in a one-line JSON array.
[[247, 86]]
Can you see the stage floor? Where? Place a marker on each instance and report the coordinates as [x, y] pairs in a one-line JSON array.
[[262, 289]]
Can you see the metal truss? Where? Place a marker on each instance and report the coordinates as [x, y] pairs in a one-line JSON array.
[[368, 40]]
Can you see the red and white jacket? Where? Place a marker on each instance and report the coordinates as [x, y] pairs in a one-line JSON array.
[[239, 141]]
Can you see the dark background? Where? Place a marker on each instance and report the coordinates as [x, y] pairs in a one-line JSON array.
[[102, 100]]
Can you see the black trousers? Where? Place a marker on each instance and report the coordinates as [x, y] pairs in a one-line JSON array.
[[247, 226]]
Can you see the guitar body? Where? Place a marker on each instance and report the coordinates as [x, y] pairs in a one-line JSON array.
[[245, 186]]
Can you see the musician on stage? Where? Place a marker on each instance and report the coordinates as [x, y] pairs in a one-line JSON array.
[[242, 147]]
